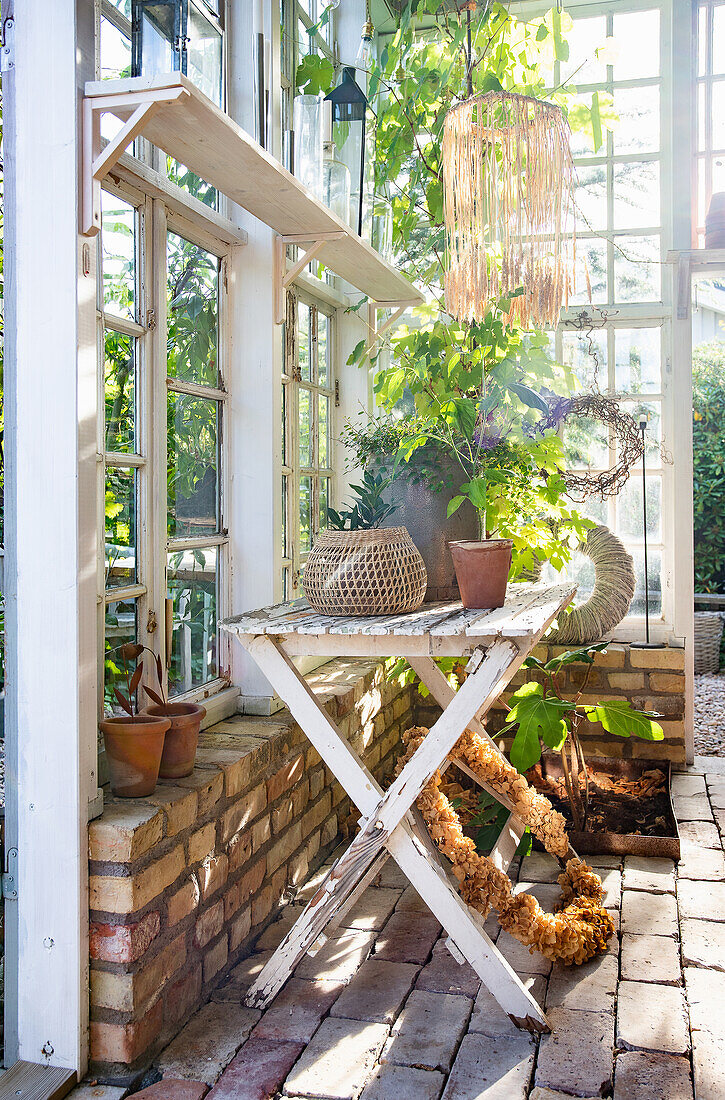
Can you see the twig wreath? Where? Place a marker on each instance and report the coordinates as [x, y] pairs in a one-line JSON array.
[[597, 406], [580, 930]]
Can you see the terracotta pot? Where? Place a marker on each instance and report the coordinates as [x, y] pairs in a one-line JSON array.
[[134, 747], [182, 737], [482, 569]]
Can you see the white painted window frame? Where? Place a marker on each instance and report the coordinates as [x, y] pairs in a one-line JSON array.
[[293, 557], [154, 220]]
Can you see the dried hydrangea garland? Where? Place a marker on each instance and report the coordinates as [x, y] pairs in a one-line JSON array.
[[582, 927]]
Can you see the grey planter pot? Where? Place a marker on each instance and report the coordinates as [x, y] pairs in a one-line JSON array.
[[423, 512]]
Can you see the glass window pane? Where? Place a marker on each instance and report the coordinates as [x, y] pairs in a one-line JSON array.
[[637, 269], [636, 196], [584, 39], [124, 6], [115, 52], [638, 128], [193, 461], [120, 628], [654, 571], [630, 520], [305, 429], [637, 37], [653, 431], [717, 117], [591, 271], [594, 508], [194, 185], [118, 255], [192, 588], [305, 514], [120, 537], [324, 501], [586, 354], [204, 55], [323, 431], [284, 425], [193, 312], [285, 502], [120, 391], [637, 360], [303, 340], [586, 443], [590, 197], [718, 39], [323, 350]]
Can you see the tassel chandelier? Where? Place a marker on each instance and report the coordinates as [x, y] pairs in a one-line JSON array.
[[508, 180]]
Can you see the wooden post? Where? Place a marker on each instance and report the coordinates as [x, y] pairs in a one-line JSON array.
[[47, 731]]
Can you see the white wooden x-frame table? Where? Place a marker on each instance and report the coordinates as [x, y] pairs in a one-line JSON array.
[[496, 643]]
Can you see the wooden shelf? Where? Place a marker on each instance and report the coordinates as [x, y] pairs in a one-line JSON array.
[[174, 115]]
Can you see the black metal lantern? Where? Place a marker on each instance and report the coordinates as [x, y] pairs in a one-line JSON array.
[[349, 107], [178, 36]]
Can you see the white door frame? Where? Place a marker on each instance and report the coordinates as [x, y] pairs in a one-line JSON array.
[[50, 704]]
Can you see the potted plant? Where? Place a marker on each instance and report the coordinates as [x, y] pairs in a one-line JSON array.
[[134, 741], [182, 736], [614, 806], [356, 567], [483, 404]]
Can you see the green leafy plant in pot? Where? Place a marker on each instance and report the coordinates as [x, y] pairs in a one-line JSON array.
[[134, 741], [481, 394], [356, 567], [539, 714]]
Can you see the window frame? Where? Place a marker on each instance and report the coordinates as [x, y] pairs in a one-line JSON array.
[[154, 220], [292, 556]]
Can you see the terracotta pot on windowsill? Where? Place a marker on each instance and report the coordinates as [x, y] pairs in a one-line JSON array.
[[482, 570], [133, 749], [182, 737]]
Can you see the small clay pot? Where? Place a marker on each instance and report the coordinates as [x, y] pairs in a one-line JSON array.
[[133, 748], [182, 737], [482, 570]]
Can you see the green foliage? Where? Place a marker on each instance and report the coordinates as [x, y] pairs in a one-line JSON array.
[[315, 74], [539, 713], [418, 77], [369, 510], [708, 445]]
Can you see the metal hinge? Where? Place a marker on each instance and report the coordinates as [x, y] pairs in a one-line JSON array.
[[7, 54], [151, 319], [337, 393], [10, 876]]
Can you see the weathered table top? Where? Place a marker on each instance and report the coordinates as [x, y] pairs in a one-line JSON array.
[[435, 628]]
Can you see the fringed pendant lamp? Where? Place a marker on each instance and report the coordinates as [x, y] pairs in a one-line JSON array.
[[508, 180]]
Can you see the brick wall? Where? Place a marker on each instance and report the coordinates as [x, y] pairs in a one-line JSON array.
[[181, 883], [652, 679]]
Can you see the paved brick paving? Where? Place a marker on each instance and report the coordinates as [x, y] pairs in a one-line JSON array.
[[384, 1012]]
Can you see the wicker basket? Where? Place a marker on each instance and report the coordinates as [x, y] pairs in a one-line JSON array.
[[708, 635], [365, 573]]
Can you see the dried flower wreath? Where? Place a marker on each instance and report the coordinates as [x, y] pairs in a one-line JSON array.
[[627, 436], [580, 930]]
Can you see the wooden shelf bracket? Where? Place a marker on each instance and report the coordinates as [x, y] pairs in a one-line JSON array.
[[99, 159], [283, 277], [376, 332]]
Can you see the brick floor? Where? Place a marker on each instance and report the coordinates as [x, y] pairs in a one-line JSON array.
[[384, 1012]]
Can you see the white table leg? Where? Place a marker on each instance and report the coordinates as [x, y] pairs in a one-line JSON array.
[[385, 827]]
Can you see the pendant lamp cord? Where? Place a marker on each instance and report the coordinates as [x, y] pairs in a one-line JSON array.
[[470, 52]]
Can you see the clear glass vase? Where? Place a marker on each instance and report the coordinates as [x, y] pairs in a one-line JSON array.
[[336, 185], [308, 135]]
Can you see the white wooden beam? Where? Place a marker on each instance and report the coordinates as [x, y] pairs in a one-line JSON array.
[[47, 735]]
